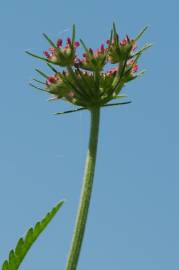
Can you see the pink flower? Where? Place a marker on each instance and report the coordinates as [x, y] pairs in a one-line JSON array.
[[68, 41], [91, 50], [112, 71], [135, 68], [123, 42], [52, 50], [47, 54], [59, 42], [52, 79], [102, 48], [76, 44]]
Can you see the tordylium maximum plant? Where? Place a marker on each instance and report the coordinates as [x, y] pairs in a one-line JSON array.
[[84, 81]]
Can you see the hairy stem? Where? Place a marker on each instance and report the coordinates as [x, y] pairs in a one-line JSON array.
[[82, 214]]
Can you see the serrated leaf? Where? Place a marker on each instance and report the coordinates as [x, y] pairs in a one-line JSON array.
[[17, 255], [141, 33], [5, 265], [12, 260], [36, 228], [20, 246], [29, 236]]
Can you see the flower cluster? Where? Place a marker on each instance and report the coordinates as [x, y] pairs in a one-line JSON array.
[[85, 81], [93, 60], [62, 56]]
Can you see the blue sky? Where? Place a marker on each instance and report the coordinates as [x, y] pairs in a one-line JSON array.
[[133, 221]]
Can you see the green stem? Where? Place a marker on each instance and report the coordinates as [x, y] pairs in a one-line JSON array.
[[85, 193]]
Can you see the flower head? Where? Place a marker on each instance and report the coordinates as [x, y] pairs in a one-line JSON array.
[[86, 81], [93, 60], [62, 56], [119, 50]]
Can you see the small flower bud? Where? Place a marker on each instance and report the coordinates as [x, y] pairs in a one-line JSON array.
[[69, 41], [52, 79], [135, 68], [76, 44], [47, 54], [123, 42], [102, 48], [59, 42]]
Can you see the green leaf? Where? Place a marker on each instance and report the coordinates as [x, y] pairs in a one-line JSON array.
[[17, 255], [74, 87], [35, 80], [49, 40], [41, 73], [116, 104], [84, 46], [77, 83], [41, 58], [111, 36], [52, 68], [5, 265], [119, 97], [141, 33], [114, 29], [71, 111], [73, 34], [36, 56], [115, 35], [87, 86], [144, 48], [38, 88]]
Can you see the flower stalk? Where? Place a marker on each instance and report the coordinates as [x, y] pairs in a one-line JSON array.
[[87, 83], [86, 192]]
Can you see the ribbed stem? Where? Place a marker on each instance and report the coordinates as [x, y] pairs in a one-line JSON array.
[[85, 193]]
